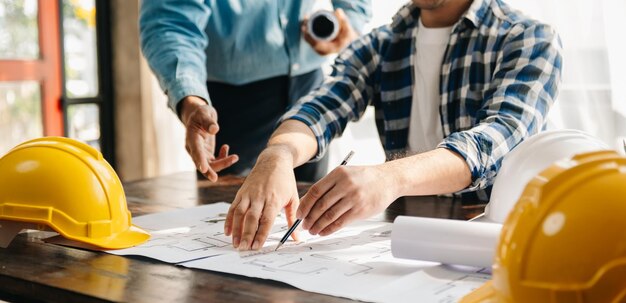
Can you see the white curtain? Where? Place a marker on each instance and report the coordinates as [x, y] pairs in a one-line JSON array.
[[593, 93]]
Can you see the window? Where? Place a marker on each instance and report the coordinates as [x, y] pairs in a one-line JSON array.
[[592, 96], [51, 80], [87, 94], [30, 72]]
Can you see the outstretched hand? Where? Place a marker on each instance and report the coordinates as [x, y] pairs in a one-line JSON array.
[[200, 120]]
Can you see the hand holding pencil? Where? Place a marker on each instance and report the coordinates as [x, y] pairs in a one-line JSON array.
[[346, 194], [295, 225]]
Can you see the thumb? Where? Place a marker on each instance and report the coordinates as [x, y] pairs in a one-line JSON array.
[[290, 212], [213, 128], [209, 121], [342, 18]]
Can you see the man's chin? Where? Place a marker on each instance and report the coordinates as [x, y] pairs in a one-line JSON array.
[[429, 4]]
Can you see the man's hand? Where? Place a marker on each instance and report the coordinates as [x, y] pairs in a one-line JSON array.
[[346, 194], [346, 35], [200, 120], [270, 186]]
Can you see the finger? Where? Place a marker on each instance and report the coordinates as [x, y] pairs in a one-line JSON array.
[[266, 222], [344, 23], [198, 153], [228, 223], [208, 120], [325, 48], [238, 219], [307, 36], [209, 149], [221, 164], [224, 151], [209, 145], [303, 24], [213, 129], [331, 215], [313, 194], [323, 204], [211, 174], [290, 212], [251, 224], [344, 37], [338, 224]]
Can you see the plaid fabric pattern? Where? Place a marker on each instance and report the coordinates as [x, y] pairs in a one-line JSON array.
[[499, 78]]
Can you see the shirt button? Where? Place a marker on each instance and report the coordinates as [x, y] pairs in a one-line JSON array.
[[295, 66], [283, 20]]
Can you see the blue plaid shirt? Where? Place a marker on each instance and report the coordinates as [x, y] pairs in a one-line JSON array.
[[499, 78]]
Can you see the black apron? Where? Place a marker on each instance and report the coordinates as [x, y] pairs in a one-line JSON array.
[[247, 116]]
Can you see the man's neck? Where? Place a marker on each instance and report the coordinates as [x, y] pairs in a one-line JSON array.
[[445, 15]]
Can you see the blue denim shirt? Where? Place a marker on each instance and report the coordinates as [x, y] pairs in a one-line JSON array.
[[189, 42]]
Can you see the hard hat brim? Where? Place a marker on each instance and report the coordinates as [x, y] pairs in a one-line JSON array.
[[133, 236]]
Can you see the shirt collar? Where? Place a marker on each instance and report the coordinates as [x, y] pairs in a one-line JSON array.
[[475, 14]]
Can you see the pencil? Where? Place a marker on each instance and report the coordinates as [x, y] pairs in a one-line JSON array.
[[295, 224]]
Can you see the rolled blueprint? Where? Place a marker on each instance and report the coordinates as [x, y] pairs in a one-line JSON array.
[[323, 25], [445, 241]]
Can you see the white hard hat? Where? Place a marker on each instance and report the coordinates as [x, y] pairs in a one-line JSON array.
[[529, 158]]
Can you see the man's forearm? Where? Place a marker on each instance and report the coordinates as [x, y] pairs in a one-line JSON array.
[[173, 41], [439, 171], [292, 141]]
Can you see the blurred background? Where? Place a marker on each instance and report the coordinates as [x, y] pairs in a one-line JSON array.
[[74, 68]]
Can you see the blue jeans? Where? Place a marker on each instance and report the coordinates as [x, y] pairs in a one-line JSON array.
[[247, 115]]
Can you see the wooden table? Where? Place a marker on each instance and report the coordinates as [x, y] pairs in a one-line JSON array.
[[31, 270]]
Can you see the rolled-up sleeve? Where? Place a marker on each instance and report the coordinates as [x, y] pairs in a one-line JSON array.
[[516, 103], [173, 41], [344, 96]]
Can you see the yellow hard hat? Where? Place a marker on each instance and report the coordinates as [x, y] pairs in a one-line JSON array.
[[68, 186], [565, 240]]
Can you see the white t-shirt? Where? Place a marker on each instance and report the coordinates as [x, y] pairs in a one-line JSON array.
[[425, 122]]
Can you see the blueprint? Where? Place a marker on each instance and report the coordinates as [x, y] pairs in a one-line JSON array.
[[186, 234], [355, 262]]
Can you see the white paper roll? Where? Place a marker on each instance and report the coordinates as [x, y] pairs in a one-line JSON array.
[[445, 241], [323, 26]]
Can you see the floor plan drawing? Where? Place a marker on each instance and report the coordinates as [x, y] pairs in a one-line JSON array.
[[186, 234], [355, 262], [175, 246], [313, 257]]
